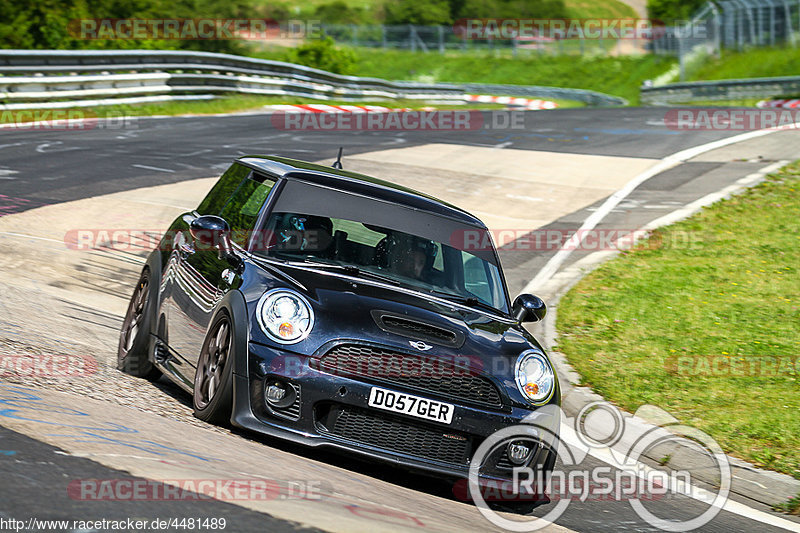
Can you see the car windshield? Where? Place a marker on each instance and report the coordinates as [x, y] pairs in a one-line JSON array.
[[392, 255]]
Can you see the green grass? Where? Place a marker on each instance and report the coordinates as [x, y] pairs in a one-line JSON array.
[[230, 104], [619, 76], [373, 9], [790, 507], [734, 293], [755, 63], [607, 9], [742, 102]]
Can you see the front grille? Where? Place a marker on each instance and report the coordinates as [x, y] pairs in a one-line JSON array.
[[429, 375], [397, 435]]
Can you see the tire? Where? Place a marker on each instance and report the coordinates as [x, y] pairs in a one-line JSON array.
[[134, 337], [213, 381]]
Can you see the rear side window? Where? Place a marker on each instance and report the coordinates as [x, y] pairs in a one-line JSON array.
[[213, 203], [243, 205]]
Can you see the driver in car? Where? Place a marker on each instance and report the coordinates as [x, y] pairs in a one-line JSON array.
[[413, 257]]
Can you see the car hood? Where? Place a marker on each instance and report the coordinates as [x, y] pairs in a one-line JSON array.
[[348, 309]]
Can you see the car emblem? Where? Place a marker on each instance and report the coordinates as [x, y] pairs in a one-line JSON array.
[[419, 345]]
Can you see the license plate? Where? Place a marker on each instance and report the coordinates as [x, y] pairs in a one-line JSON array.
[[411, 405]]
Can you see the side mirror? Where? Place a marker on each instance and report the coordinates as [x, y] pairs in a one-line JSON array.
[[529, 308], [211, 231], [214, 232]]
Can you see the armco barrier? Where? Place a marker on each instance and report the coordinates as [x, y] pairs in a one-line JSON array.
[[676, 93], [35, 77]]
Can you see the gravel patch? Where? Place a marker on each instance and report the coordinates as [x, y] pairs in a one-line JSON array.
[[25, 364]]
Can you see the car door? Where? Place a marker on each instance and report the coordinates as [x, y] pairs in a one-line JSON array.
[[202, 276]]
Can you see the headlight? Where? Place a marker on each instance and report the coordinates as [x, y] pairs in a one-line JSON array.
[[285, 316], [535, 377]]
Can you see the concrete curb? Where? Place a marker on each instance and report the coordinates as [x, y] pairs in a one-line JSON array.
[[763, 486]]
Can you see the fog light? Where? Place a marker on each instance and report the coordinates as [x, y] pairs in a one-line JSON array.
[[276, 392], [518, 452]]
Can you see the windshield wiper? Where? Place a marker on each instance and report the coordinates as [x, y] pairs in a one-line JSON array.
[[469, 301], [351, 270]]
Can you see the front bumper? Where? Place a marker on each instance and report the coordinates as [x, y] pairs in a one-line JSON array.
[[326, 400]]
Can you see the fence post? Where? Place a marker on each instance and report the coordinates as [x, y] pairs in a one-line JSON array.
[[717, 32], [354, 38], [383, 37], [412, 38], [441, 39], [787, 26], [681, 59]]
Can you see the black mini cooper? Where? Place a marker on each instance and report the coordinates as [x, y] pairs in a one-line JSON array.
[[334, 309]]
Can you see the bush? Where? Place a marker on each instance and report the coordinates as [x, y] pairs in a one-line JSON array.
[[668, 11], [419, 12], [540, 9], [323, 54], [338, 12], [55, 23]]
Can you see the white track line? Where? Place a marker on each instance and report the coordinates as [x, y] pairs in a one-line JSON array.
[[555, 262], [605, 455], [154, 168]]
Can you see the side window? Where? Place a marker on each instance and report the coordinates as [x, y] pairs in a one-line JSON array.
[[241, 210], [476, 279], [216, 199]]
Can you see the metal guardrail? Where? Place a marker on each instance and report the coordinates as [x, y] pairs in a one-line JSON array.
[[29, 77], [676, 93], [37, 74], [580, 95]]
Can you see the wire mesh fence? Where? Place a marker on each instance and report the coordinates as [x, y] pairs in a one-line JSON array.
[[732, 24], [441, 39]]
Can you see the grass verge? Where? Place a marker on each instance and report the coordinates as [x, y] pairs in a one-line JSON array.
[[755, 63], [790, 507], [236, 103], [619, 76], [608, 9], [702, 320]]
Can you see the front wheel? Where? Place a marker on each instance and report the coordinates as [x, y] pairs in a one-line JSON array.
[[213, 380], [134, 337]]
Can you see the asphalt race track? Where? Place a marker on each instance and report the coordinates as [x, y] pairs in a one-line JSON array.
[[52, 434]]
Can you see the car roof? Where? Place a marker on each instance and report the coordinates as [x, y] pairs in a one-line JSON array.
[[353, 182]]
